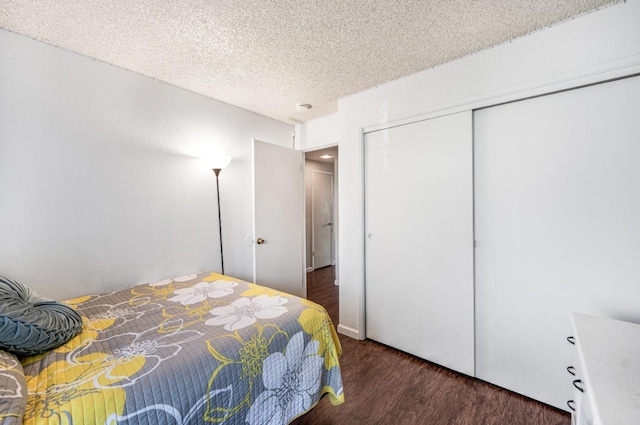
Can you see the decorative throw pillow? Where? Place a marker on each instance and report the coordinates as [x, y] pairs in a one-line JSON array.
[[13, 390], [32, 324]]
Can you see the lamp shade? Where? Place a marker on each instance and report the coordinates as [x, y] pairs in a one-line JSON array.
[[217, 162]]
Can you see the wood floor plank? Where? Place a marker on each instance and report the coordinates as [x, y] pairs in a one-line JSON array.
[[387, 387]]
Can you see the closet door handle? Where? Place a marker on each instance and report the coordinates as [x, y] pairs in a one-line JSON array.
[[571, 370], [572, 340], [578, 387], [572, 405]]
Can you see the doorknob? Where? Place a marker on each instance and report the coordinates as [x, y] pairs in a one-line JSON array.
[[260, 241]]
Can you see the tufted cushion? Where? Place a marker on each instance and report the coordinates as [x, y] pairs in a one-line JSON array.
[[32, 324]]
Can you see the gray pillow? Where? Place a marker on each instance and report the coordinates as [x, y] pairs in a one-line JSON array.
[[32, 324]]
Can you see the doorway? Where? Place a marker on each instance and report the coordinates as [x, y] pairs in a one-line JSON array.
[[322, 234], [321, 208]]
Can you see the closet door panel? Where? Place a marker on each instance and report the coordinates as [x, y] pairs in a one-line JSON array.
[[557, 219], [419, 252]]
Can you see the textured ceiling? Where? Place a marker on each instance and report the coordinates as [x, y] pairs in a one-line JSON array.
[[268, 55]]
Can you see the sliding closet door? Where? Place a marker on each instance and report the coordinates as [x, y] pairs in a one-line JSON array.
[[419, 236], [558, 229]]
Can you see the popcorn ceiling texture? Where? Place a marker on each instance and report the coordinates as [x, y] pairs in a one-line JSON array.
[[268, 55]]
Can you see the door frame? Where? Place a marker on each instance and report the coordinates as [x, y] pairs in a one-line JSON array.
[[313, 217], [336, 209]]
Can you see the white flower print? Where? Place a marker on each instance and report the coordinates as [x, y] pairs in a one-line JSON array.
[[10, 372], [244, 312], [161, 282], [184, 278], [114, 316], [291, 380], [109, 362], [203, 290]]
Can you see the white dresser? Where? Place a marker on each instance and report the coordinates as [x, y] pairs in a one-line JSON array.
[[607, 371]]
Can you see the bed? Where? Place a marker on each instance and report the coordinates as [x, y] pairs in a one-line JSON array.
[[196, 349]]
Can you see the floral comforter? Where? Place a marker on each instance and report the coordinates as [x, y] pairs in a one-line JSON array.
[[197, 349]]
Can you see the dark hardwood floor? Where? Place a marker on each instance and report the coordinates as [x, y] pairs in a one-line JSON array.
[[322, 290], [387, 387]]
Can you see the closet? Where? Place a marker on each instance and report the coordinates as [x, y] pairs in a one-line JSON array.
[[556, 223], [419, 252], [557, 188]]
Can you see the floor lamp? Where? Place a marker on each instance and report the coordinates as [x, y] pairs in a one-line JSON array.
[[217, 164]]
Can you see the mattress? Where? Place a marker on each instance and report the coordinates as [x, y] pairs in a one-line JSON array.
[[196, 349]]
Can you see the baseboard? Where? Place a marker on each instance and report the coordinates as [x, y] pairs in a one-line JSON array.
[[350, 332], [336, 282], [309, 269]]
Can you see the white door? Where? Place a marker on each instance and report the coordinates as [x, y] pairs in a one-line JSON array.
[[278, 193], [557, 190], [419, 239], [322, 218]]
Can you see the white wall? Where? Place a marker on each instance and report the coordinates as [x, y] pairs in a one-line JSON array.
[[97, 186], [592, 48], [319, 133]]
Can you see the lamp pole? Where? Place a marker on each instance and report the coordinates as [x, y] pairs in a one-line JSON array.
[[217, 162], [217, 173]]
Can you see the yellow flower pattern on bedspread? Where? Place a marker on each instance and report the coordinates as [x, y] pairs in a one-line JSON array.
[[196, 349]]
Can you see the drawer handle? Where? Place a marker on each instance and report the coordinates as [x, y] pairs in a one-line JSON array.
[[571, 370], [578, 387], [572, 340], [572, 405]]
